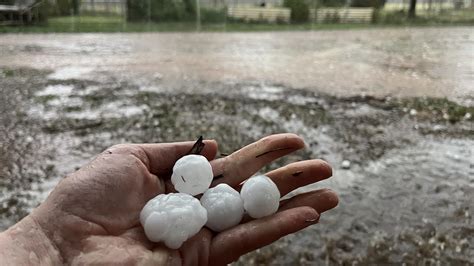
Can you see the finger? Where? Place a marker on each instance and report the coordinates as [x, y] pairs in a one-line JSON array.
[[195, 251], [229, 245], [245, 162], [161, 255], [162, 156], [321, 200], [295, 175]]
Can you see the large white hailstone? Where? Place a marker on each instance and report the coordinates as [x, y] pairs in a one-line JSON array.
[[172, 218], [261, 196], [192, 174], [224, 207]]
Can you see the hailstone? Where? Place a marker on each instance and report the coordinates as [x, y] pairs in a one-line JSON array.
[[224, 207], [172, 218], [261, 196], [192, 174]]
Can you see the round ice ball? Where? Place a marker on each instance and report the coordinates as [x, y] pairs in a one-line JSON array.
[[192, 174], [261, 196], [172, 218], [224, 207]]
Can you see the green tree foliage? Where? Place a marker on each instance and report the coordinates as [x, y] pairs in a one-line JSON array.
[[332, 3], [44, 11], [412, 9], [368, 3], [136, 10], [161, 10], [65, 7], [299, 10]]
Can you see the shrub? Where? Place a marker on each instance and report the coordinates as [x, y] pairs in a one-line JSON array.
[[136, 10], [368, 3], [394, 17], [332, 18], [161, 10], [43, 11], [65, 7], [299, 10], [332, 3], [213, 16]]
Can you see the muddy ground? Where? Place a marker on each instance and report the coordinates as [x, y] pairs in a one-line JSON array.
[[398, 104], [406, 197]]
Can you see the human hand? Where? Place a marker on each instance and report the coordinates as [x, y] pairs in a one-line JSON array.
[[92, 216]]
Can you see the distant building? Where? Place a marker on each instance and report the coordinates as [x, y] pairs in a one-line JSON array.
[[20, 12]]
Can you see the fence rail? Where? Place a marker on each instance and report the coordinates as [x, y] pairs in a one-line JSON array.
[[260, 14], [342, 15], [104, 6]]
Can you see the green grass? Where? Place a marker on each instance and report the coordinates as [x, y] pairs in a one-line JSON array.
[[446, 17], [118, 24], [435, 107]]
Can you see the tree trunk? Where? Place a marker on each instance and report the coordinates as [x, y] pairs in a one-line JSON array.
[[412, 9]]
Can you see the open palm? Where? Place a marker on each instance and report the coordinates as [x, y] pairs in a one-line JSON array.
[[92, 216]]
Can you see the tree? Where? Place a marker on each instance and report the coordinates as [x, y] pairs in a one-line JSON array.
[[412, 9], [299, 10], [161, 10], [332, 3], [368, 3]]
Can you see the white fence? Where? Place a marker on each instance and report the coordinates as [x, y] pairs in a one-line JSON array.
[[342, 15], [104, 6], [260, 14]]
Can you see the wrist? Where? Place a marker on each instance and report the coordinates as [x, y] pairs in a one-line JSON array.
[[26, 243]]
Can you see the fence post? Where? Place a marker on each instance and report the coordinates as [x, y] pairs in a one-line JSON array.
[[198, 16]]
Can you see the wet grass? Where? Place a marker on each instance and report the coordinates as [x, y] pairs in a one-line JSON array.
[[73, 24], [117, 24], [8, 72], [45, 99], [360, 231], [438, 109], [424, 18]]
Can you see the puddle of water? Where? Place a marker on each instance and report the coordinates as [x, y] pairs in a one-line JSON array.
[[268, 93], [405, 207], [410, 62], [71, 72], [56, 90]]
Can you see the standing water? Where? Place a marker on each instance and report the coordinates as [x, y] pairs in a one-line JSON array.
[[403, 164]]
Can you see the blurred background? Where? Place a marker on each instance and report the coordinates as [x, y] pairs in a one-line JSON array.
[[382, 90]]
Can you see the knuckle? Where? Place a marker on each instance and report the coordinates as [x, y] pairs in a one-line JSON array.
[[117, 148], [134, 151]]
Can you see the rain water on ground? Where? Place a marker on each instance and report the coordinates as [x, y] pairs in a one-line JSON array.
[[403, 166]]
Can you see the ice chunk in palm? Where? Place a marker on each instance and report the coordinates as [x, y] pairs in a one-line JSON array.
[[261, 196], [192, 174], [224, 207], [172, 218]]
